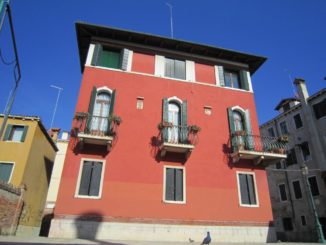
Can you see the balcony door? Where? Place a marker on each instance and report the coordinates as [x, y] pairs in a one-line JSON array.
[[100, 116], [174, 119], [239, 126]]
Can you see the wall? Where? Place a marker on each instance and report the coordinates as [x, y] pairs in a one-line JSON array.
[[11, 204], [133, 181]]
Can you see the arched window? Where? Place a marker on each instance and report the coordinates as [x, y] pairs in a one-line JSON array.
[[238, 121], [174, 118], [100, 115]]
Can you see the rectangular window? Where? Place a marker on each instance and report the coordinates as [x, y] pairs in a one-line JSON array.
[[320, 109], [271, 132], [6, 171], [305, 151], [291, 157], [140, 103], [283, 127], [282, 192], [232, 79], [297, 121], [175, 68], [297, 189], [110, 58], [16, 133], [287, 224], [313, 185], [174, 185], [90, 178], [247, 189], [303, 220]]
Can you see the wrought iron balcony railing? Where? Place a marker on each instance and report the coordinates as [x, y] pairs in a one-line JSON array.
[[176, 134]]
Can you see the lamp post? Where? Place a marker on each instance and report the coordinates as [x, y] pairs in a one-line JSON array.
[[318, 227]]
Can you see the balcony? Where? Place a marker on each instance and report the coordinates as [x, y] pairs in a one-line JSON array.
[[178, 139], [257, 148], [96, 130]]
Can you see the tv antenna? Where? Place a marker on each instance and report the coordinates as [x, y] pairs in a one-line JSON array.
[[56, 103], [171, 17]]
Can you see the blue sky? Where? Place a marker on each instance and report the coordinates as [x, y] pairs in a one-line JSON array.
[[291, 34]]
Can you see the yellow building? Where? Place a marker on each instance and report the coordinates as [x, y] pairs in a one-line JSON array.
[[27, 154]]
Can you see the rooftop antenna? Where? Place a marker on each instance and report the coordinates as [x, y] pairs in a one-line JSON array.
[[56, 103], [291, 81], [171, 16]]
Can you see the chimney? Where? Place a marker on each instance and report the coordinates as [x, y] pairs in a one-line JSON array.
[[64, 135], [54, 133], [301, 89]]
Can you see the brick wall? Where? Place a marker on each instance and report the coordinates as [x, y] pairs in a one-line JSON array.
[[11, 204]]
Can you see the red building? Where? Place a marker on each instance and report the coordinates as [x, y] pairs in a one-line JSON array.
[[164, 143]]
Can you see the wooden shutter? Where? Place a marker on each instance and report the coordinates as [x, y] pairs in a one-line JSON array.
[[85, 178], [169, 184], [124, 60], [178, 184], [179, 69], [96, 54], [251, 189], [111, 110], [5, 171], [24, 133], [7, 133], [244, 192], [244, 80], [91, 109], [165, 118], [184, 124], [221, 75], [232, 129], [94, 187], [249, 138], [169, 67]]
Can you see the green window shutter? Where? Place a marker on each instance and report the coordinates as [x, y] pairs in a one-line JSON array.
[[96, 54], [110, 59], [85, 179], [95, 181], [91, 108], [165, 118], [169, 184], [7, 133], [24, 134], [244, 80], [111, 109], [184, 123], [249, 137], [178, 184], [232, 129], [221, 75], [124, 60]]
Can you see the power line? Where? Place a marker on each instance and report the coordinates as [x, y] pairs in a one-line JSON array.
[[171, 17], [56, 103]]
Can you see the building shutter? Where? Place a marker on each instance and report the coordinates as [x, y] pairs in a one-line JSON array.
[[124, 60], [178, 184], [24, 133], [96, 54], [250, 143], [184, 123], [85, 178], [165, 117], [169, 184], [7, 133], [91, 108], [244, 80], [180, 69], [159, 65], [169, 67], [5, 171], [251, 189], [95, 180], [111, 110], [221, 75], [232, 129], [244, 192]]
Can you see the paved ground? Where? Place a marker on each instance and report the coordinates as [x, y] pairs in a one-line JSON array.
[[10, 240]]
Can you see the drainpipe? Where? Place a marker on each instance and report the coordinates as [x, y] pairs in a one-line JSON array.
[[18, 210]]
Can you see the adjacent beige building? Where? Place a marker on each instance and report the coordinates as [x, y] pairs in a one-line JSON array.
[[303, 121]]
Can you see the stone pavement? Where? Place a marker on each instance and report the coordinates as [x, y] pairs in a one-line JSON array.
[[12, 240]]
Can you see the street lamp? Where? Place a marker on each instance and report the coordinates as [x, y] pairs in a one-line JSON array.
[[318, 227]]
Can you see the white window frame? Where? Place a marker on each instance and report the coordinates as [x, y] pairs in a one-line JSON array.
[[19, 125], [80, 174], [239, 190], [294, 190], [184, 184], [12, 170], [314, 176], [279, 192]]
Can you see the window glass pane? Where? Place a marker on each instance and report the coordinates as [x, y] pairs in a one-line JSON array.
[[16, 133], [5, 171], [313, 186], [251, 189], [169, 67], [297, 189], [99, 119], [244, 192], [271, 132], [287, 224], [303, 220], [320, 109], [284, 129], [180, 69], [235, 80], [297, 121], [232, 79], [179, 184], [227, 79], [282, 192], [305, 151]]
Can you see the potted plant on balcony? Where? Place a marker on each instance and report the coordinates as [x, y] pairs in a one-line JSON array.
[[240, 133], [115, 119], [283, 139], [194, 129], [80, 115], [164, 124]]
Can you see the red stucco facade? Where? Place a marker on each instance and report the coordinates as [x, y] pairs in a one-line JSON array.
[[133, 179]]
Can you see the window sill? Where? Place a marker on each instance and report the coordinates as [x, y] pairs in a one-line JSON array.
[[88, 197], [249, 206], [12, 141], [174, 202]]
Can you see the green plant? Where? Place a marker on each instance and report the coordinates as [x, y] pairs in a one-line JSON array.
[[81, 115], [283, 139], [194, 128], [164, 124], [115, 119], [240, 133]]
